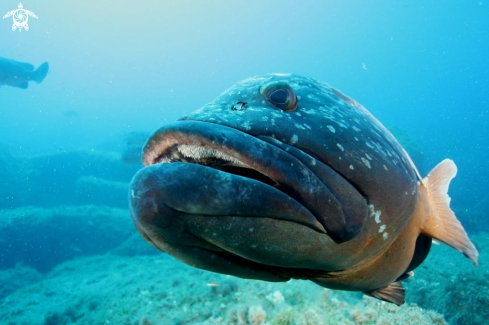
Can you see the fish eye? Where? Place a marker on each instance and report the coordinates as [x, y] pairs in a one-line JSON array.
[[281, 95]]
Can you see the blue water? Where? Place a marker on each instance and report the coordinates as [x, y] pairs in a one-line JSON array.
[[125, 66]]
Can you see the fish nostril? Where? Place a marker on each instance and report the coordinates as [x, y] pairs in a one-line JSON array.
[[239, 106]]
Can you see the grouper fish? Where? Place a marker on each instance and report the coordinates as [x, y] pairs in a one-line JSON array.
[[284, 177], [18, 74]]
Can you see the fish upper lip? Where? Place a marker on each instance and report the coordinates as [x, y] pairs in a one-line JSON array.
[[189, 145]]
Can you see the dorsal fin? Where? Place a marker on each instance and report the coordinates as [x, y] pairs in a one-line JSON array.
[[394, 293], [441, 223]]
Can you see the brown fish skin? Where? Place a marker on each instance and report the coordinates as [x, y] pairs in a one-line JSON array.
[[311, 256], [431, 217]]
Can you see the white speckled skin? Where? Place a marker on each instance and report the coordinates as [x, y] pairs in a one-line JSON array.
[[334, 128]]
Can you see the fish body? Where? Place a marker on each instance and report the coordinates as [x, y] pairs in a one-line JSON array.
[[18, 74], [282, 177]]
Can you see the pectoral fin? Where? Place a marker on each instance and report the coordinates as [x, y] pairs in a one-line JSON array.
[[394, 293]]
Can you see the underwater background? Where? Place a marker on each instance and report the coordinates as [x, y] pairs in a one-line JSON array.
[[69, 252]]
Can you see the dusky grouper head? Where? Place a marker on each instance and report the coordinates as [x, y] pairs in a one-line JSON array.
[[283, 176]]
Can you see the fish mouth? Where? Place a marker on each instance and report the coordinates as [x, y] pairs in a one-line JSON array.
[[204, 168], [192, 149], [214, 146], [197, 149]]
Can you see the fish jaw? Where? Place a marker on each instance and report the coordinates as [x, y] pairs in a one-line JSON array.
[[193, 189], [233, 151], [212, 157]]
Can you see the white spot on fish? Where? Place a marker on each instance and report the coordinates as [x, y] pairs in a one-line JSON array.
[[281, 74], [294, 139], [356, 129], [366, 162], [340, 146], [313, 162], [246, 125], [264, 118], [355, 138], [351, 167], [369, 145], [385, 167], [382, 228], [368, 157], [375, 213], [371, 210], [377, 216], [385, 236], [331, 128], [251, 229]]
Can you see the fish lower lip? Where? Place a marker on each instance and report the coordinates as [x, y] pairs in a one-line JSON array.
[[157, 196]]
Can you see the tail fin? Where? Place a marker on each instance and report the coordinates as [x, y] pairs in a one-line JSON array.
[[442, 223], [41, 72]]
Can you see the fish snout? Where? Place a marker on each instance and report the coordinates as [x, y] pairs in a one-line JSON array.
[[157, 196]]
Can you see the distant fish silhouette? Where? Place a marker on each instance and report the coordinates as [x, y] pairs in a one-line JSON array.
[[18, 74]]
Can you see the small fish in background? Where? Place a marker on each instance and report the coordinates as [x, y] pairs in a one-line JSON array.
[[18, 74], [134, 142]]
